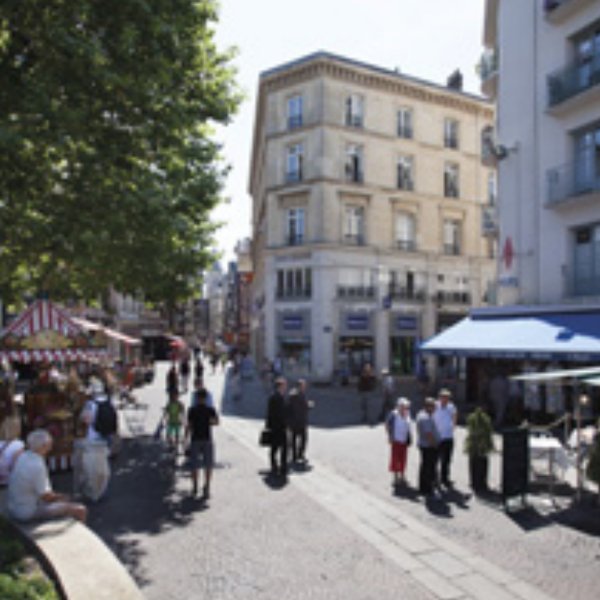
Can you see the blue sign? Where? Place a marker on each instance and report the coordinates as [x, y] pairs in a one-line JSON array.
[[357, 322], [406, 323], [293, 322]]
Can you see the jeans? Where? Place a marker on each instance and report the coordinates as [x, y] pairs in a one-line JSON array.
[[427, 470]]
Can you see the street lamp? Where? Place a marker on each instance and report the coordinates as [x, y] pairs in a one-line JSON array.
[[582, 400]]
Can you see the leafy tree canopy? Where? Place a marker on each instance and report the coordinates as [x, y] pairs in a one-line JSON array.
[[108, 167]]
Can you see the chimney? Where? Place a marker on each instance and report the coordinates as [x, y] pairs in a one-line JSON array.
[[455, 81]]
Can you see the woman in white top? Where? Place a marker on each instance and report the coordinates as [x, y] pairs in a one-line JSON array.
[[398, 428]]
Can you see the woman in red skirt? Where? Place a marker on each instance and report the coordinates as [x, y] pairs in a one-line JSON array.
[[398, 428]]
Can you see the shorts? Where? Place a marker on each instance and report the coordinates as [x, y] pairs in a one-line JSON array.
[[173, 430], [202, 454]]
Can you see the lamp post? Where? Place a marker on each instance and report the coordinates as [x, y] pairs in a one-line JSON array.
[[582, 401]]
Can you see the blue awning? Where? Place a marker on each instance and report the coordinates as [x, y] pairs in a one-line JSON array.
[[571, 336]]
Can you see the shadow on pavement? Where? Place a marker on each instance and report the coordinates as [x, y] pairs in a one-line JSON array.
[[275, 482], [141, 499]]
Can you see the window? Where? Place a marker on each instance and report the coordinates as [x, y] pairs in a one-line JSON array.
[[354, 163], [586, 261], [295, 226], [491, 189], [295, 112], [294, 163], [450, 133], [405, 173], [354, 110], [587, 56], [587, 160], [451, 187], [354, 217], [404, 124], [452, 235], [294, 283], [405, 231]]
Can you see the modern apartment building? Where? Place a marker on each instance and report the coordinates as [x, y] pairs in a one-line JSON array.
[[542, 66], [369, 214]]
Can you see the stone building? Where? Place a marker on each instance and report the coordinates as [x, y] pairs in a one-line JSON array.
[[368, 214]]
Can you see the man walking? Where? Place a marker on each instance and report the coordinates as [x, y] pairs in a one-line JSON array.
[[428, 440], [445, 419], [277, 421], [201, 419], [366, 386], [299, 407]]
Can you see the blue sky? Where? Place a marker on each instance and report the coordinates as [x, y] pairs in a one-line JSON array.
[[424, 38]]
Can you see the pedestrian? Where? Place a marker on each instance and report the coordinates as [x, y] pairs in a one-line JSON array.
[[428, 440], [200, 421], [198, 369], [366, 385], [214, 360], [198, 386], [172, 381], [276, 423], [445, 416], [388, 389], [30, 495], [299, 406], [399, 436], [184, 372], [173, 414]]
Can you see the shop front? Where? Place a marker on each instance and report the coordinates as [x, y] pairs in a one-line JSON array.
[[356, 343], [404, 332], [294, 342]]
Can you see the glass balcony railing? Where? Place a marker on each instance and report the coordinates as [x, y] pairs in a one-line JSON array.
[[572, 180], [573, 80], [488, 65]]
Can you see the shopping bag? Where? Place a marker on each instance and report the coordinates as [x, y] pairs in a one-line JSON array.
[[265, 437]]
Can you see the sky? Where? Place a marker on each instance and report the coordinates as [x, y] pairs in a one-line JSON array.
[[424, 38]]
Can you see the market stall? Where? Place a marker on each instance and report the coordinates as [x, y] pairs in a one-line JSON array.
[[46, 337]]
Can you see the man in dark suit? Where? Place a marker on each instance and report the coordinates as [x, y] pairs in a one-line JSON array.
[[277, 421]]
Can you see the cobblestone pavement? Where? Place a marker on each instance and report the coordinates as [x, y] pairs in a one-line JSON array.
[[256, 539], [552, 546]]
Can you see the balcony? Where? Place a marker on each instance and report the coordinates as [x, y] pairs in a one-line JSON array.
[[294, 121], [406, 245], [356, 292], [293, 294], [489, 221], [407, 293], [574, 182], [574, 82], [452, 297], [354, 239], [488, 69], [558, 11], [354, 175]]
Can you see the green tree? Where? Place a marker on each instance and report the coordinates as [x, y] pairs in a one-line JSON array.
[[108, 165]]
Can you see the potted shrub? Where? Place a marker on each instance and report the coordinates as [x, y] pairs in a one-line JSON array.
[[478, 445]]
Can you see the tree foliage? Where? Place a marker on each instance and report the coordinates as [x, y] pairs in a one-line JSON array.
[[108, 166]]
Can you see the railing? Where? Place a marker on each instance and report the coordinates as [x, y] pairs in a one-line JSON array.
[[302, 294], [294, 121], [451, 141], [451, 249], [354, 120], [405, 183], [293, 176], [356, 292], [488, 64], [453, 297], [572, 180], [573, 80], [405, 132], [489, 220], [354, 239], [400, 293], [406, 245], [295, 239]]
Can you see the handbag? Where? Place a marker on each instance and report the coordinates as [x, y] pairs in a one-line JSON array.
[[265, 437], [159, 430]]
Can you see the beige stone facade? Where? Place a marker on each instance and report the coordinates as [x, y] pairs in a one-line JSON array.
[[368, 196]]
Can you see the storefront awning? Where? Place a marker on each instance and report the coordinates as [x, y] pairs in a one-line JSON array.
[[572, 335], [107, 331]]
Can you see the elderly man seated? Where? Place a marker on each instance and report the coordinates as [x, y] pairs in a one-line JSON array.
[[30, 495]]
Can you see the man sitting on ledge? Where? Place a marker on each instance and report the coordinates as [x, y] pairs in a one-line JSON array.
[[30, 494]]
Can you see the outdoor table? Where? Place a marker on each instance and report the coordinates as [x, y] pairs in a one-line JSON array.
[[540, 445]]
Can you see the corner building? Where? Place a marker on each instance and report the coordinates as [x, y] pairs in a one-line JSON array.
[[369, 199]]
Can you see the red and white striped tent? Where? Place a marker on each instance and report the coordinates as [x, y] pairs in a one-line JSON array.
[[44, 332]]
